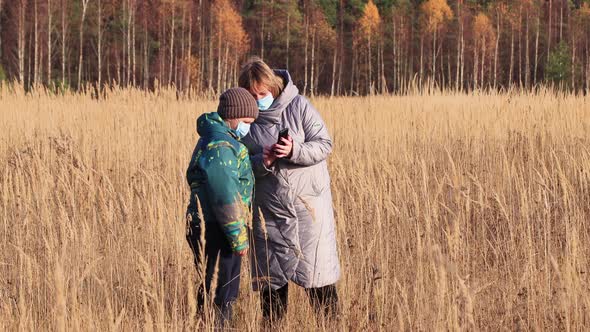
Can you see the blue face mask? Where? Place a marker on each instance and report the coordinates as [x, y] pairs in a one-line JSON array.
[[264, 103], [242, 129]]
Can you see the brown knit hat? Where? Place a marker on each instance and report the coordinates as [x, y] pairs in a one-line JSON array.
[[237, 103]]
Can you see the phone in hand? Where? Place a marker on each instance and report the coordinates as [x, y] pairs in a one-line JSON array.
[[284, 133]]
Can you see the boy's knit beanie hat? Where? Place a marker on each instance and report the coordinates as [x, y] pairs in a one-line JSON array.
[[237, 103]]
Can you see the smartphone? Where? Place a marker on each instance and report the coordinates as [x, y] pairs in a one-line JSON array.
[[284, 133]]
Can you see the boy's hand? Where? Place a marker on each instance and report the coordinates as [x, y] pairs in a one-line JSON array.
[[241, 253], [268, 156]]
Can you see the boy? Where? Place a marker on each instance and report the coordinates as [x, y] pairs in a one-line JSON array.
[[220, 177]]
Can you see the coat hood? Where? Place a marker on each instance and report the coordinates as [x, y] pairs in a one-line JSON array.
[[290, 91], [210, 123]]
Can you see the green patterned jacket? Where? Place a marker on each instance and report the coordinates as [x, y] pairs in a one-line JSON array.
[[220, 176]]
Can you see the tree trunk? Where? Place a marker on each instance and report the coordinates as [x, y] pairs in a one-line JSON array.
[[462, 59], [306, 48], [63, 42], [475, 66], [201, 30], [498, 34], [449, 82], [316, 79], [549, 27], [21, 41], [483, 62], [384, 88], [210, 56], [333, 87], [1, 7], [510, 73], [573, 69], [434, 55], [587, 67], [520, 47], [370, 67], [81, 55], [29, 74], [262, 23], [527, 72], [340, 46], [118, 65], [421, 59], [189, 49], [181, 81], [561, 21], [352, 72], [311, 77], [225, 67], [108, 67], [358, 75], [145, 48], [36, 54], [49, 29], [394, 53], [219, 55], [536, 50], [99, 46], [171, 66], [460, 41], [378, 76], [133, 57], [288, 32]]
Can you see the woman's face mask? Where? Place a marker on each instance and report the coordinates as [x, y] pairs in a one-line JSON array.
[[265, 102]]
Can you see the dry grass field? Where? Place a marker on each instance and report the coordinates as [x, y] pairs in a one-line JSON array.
[[454, 212]]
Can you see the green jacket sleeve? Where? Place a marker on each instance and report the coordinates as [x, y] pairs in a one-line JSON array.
[[220, 165]]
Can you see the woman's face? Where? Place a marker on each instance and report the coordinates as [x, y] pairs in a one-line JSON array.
[[259, 91]]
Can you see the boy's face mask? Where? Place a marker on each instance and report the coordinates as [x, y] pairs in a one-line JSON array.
[[242, 129], [265, 102]]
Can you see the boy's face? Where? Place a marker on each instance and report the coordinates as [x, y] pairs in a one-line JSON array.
[[233, 123]]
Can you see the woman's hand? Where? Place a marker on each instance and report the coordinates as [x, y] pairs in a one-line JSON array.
[[285, 149], [268, 156], [241, 253]]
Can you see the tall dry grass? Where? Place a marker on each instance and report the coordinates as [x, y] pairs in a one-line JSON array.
[[454, 212]]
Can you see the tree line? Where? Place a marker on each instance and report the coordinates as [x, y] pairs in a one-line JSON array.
[[331, 47]]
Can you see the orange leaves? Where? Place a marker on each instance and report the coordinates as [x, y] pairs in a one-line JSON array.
[[482, 26], [483, 30], [436, 12], [228, 26], [193, 66], [581, 18], [584, 12], [325, 32], [169, 7], [371, 20]]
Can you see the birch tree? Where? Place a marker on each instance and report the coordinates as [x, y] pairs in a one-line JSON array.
[[22, 7], [437, 13], [81, 54], [49, 40], [369, 25]]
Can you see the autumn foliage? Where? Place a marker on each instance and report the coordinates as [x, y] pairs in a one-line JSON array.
[[330, 47]]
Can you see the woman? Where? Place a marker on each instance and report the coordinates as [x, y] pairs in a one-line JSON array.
[[296, 238]]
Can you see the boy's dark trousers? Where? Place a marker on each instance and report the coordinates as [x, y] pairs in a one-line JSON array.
[[323, 299], [228, 276]]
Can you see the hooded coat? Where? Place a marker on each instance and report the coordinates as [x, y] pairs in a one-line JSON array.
[[220, 176], [296, 238]]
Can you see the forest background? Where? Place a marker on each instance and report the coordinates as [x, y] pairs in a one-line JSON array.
[[331, 47]]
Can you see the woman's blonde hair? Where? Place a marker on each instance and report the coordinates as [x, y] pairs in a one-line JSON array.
[[257, 73]]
